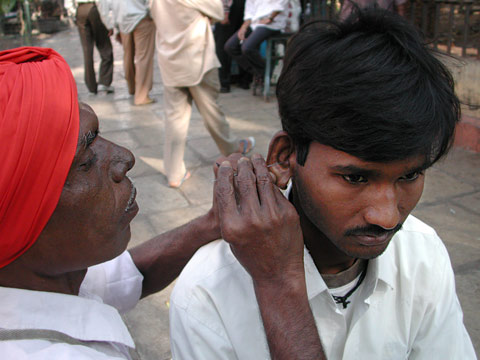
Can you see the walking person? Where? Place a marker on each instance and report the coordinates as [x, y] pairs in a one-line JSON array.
[[137, 35], [93, 33], [189, 69]]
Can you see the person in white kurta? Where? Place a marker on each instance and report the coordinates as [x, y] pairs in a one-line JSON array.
[[188, 65]]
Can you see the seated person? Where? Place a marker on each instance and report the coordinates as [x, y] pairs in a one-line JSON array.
[[66, 206], [366, 108], [262, 19]]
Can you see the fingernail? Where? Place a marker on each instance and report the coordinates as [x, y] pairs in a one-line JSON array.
[[242, 159], [226, 163]]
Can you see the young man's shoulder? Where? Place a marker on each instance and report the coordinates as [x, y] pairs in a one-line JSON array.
[[415, 253], [211, 270], [419, 238]]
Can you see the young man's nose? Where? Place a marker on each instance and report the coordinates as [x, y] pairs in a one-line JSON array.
[[383, 209]]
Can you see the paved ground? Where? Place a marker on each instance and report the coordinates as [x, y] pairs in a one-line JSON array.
[[451, 201]]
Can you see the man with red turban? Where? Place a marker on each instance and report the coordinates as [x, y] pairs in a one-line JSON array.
[[65, 208]]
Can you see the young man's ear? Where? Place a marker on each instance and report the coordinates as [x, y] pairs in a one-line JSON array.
[[281, 158]]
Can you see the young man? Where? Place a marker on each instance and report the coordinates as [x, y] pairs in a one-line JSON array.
[[366, 108]]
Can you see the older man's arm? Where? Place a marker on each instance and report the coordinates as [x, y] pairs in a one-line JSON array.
[[161, 259], [264, 233]]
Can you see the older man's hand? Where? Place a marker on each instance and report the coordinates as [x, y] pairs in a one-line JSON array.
[[260, 224]]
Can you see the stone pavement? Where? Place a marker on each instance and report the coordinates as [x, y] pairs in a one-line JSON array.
[[451, 201]]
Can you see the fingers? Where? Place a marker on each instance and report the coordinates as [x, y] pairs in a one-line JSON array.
[[224, 192], [246, 187], [232, 159], [265, 186]]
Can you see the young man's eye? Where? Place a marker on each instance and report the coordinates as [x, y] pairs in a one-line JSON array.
[[411, 176], [355, 179]]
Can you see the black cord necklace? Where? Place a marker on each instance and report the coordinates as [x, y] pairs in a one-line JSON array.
[[344, 299]]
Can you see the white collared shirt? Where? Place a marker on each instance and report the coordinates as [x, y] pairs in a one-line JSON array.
[[124, 14], [255, 10], [406, 307], [88, 317]]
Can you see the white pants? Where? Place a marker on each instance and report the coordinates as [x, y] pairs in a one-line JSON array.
[[178, 109]]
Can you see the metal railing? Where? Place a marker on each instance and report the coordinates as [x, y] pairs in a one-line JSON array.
[[450, 25]]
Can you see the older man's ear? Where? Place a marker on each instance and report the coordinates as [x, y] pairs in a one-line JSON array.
[[281, 158]]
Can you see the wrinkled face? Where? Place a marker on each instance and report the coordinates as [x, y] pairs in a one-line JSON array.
[[90, 224], [357, 205]]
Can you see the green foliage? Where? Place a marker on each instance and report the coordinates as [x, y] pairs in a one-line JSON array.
[[6, 5]]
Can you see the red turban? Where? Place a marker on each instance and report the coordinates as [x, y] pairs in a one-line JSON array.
[[39, 124]]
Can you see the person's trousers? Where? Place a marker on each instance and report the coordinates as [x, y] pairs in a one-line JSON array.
[[138, 51], [247, 53], [93, 33], [178, 109], [221, 34]]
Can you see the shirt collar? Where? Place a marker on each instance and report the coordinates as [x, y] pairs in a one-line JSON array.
[[384, 266], [315, 283], [380, 275], [80, 318]]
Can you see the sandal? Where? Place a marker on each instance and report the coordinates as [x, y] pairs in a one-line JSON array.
[[176, 185], [244, 143]]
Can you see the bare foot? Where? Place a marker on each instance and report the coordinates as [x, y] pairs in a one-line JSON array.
[[177, 184]]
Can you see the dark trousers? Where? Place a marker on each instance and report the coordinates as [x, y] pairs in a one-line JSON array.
[[222, 33], [247, 53], [94, 33]]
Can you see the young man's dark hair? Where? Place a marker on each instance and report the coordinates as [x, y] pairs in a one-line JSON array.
[[367, 86]]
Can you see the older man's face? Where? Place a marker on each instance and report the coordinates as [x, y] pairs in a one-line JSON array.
[[90, 224]]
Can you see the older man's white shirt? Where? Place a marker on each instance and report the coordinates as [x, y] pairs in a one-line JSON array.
[[406, 308], [93, 316]]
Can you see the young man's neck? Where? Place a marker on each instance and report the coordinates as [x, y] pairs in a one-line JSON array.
[[327, 258]]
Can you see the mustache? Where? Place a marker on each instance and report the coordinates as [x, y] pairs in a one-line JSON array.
[[372, 230]]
